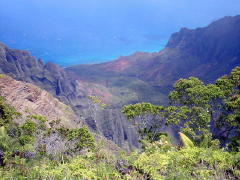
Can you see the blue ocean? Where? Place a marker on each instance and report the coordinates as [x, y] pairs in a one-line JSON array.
[[93, 31]]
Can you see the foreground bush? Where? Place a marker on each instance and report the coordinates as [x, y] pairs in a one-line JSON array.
[[190, 163]]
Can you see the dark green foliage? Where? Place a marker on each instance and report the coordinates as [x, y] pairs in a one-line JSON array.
[[195, 103], [82, 137], [192, 92], [146, 118], [41, 120], [134, 110], [28, 131], [29, 127], [7, 113], [234, 144], [26, 139], [229, 121], [197, 109]]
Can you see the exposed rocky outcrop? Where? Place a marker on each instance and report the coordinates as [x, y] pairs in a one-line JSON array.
[[28, 99], [69, 89], [21, 65], [31, 100]]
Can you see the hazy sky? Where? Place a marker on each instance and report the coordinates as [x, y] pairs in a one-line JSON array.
[[85, 31]]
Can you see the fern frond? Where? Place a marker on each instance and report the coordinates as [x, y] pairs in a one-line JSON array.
[[185, 140]]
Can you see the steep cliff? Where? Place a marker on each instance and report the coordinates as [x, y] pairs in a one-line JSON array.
[[21, 65], [206, 53], [40, 106], [71, 90]]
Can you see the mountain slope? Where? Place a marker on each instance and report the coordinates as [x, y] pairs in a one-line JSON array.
[[21, 65], [206, 53], [72, 91], [31, 100]]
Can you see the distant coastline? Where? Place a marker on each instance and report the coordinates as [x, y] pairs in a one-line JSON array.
[[71, 56]]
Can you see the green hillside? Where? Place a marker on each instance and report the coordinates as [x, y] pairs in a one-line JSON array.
[[208, 150]]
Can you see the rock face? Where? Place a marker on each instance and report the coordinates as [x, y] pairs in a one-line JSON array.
[[206, 53], [70, 90], [28, 99], [31, 100], [21, 65]]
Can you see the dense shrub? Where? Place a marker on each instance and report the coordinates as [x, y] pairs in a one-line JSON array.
[[26, 139], [29, 127], [189, 163], [7, 113], [82, 137]]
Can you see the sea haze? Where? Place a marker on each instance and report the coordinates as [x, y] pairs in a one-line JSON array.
[[78, 32]]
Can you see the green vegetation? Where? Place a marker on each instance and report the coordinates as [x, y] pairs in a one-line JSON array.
[[7, 113], [207, 118], [82, 137], [208, 113], [189, 163], [185, 140]]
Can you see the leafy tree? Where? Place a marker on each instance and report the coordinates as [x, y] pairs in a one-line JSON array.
[[195, 105], [146, 117], [202, 112], [229, 121]]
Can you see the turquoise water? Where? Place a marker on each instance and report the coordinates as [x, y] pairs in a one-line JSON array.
[[70, 32], [67, 53]]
